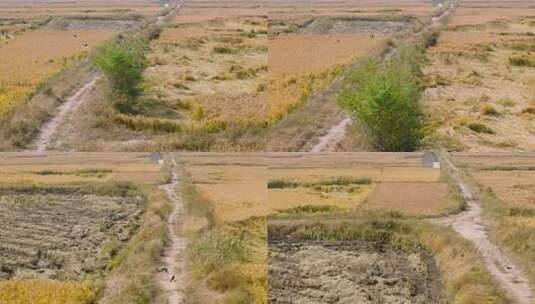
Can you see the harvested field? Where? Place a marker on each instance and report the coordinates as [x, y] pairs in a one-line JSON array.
[[28, 60], [363, 181], [221, 180], [371, 259], [410, 198], [291, 54], [61, 235], [376, 275], [73, 222], [480, 85], [204, 90]]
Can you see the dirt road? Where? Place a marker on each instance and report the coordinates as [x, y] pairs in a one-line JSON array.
[[171, 273], [49, 129], [470, 225]]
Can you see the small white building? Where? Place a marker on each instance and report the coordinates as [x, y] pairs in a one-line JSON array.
[[430, 160], [156, 157]]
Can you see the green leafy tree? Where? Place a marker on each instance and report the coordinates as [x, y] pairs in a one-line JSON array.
[[123, 61], [385, 101]]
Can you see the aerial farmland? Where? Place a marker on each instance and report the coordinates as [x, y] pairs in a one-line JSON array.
[[277, 151]]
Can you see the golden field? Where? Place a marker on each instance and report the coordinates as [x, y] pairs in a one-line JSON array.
[[45, 292], [356, 182], [300, 64], [31, 58]]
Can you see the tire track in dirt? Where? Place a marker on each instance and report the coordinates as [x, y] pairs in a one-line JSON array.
[[337, 132], [49, 129], [171, 275], [470, 225]]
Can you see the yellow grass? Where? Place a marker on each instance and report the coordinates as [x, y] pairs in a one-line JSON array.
[[301, 64], [45, 292], [29, 59], [378, 174], [136, 168], [315, 52], [236, 192], [410, 198], [283, 199]]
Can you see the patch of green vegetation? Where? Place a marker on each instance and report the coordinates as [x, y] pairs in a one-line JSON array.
[[221, 49], [116, 189], [123, 61], [479, 127], [385, 100], [489, 110], [523, 60], [524, 212], [82, 173], [338, 181], [311, 209]]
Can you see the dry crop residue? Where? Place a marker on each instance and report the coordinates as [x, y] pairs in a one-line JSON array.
[[347, 272], [58, 236]]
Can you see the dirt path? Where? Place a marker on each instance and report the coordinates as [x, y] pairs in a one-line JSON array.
[[171, 274], [337, 132], [49, 129], [470, 225], [328, 142]]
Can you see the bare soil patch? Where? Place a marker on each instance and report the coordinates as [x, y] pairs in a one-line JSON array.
[[61, 235]]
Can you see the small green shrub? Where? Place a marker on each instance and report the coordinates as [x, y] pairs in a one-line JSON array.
[[489, 110], [385, 100], [141, 123], [123, 61], [479, 127], [522, 61], [223, 50], [281, 184]]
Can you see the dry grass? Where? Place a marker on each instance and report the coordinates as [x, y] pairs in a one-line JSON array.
[[46, 292], [507, 191], [293, 54], [302, 64], [30, 59], [411, 198], [226, 226], [397, 184], [477, 100]]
